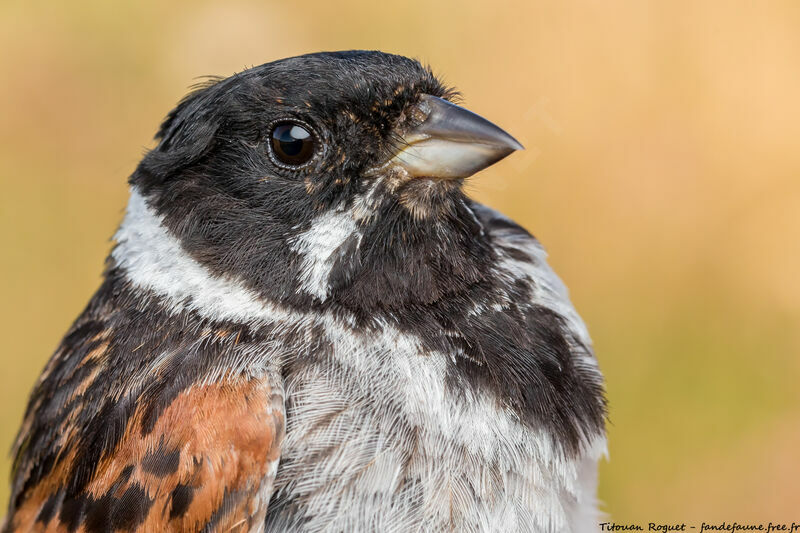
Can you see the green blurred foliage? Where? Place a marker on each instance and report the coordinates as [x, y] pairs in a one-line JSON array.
[[661, 172]]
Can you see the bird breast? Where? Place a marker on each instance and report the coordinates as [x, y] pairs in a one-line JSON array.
[[379, 439]]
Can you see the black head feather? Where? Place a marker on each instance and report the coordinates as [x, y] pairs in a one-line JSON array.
[[235, 209]]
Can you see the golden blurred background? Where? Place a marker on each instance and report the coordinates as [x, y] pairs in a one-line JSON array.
[[662, 172]]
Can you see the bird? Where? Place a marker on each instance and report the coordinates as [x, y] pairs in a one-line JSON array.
[[306, 324]]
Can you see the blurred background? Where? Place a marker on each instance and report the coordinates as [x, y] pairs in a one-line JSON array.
[[662, 172]]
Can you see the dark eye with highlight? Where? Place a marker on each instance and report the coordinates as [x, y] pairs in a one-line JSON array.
[[293, 144]]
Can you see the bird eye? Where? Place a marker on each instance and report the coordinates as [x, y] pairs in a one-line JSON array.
[[292, 143]]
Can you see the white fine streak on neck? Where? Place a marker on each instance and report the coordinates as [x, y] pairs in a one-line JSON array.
[[317, 246]]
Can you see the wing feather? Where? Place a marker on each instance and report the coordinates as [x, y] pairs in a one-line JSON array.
[[110, 444]]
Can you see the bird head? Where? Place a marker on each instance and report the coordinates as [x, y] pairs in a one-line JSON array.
[[331, 178]]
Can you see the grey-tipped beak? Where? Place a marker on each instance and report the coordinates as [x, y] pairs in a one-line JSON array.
[[452, 142]]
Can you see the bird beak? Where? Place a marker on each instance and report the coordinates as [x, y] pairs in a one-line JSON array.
[[451, 142]]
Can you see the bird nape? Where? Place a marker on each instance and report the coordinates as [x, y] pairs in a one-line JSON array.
[[306, 325]]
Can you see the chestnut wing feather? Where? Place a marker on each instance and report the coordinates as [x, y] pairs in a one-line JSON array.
[[150, 446]]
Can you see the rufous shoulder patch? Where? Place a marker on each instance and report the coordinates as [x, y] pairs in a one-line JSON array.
[[207, 463]]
